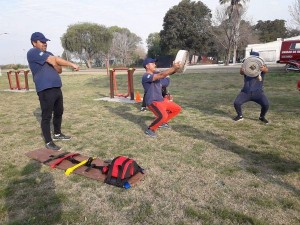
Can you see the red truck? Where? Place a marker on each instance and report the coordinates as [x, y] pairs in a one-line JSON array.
[[290, 55]]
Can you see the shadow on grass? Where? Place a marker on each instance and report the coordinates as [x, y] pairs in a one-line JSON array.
[[265, 161], [209, 110], [31, 197], [124, 112]]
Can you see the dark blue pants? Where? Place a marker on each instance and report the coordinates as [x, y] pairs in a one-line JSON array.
[[51, 101], [258, 97]]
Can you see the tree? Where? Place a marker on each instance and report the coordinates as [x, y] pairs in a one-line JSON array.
[[234, 12], [295, 12], [153, 45], [221, 33], [184, 27], [124, 44], [270, 30], [292, 33], [246, 36], [87, 41]]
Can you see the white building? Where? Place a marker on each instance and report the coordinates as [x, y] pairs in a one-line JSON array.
[[270, 51]]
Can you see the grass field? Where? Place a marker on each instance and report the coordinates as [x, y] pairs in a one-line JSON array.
[[206, 170]]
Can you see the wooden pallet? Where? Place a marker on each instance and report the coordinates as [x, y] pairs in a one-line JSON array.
[[44, 154]]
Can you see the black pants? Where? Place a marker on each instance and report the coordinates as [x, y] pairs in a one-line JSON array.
[[258, 97], [51, 101]]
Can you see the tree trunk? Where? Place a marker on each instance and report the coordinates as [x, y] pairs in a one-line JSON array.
[[107, 64], [234, 53], [227, 57], [88, 63]]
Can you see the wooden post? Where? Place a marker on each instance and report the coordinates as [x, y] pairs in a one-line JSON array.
[[26, 80], [111, 83], [9, 80], [130, 83]]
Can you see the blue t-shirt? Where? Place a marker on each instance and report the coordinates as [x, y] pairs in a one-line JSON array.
[[165, 82], [152, 89], [252, 84], [44, 74]]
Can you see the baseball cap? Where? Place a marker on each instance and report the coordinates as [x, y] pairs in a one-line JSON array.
[[38, 36], [254, 53], [148, 60]]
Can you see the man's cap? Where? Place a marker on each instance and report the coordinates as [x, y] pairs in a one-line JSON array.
[[38, 36], [148, 60], [254, 53]]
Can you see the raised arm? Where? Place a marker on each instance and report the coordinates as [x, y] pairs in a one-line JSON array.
[[170, 71], [58, 62]]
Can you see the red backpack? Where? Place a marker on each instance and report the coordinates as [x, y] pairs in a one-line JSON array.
[[120, 170]]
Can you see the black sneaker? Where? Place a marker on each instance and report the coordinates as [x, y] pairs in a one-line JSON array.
[[143, 109], [61, 136], [165, 125], [238, 118], [51, 145], [150, 133], [264, 120]]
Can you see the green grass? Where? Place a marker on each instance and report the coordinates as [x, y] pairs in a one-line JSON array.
[[206, 170]]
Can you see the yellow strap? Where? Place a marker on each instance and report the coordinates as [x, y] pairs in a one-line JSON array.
[[71, 169]]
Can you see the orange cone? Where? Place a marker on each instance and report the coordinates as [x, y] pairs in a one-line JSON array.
[[138, 97]]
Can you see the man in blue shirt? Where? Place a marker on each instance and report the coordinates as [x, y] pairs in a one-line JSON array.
[[164, 92], [162, 108], [253, 91], [45, 68]]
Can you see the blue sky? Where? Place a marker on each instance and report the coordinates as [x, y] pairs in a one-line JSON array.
[[20, 18]]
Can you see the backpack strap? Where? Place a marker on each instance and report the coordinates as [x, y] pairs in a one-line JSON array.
[[103, 169], [108, 178]]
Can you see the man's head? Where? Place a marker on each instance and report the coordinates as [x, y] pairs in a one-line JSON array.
[[149, 61], [39, 40]]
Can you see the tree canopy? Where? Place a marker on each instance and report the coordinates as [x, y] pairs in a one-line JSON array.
[[86, 41], [124, 44], [95, 43], [295, 12], [270, 30], [184, 27], [153, 45]]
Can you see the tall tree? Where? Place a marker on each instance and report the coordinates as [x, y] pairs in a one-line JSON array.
[[246, 36], [184, 27], [234, 12], [153, 45], [124, 44], [86, 41], [292, 33], [295, 12], [270, 30]]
